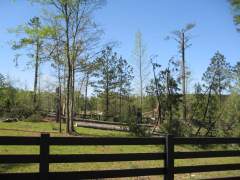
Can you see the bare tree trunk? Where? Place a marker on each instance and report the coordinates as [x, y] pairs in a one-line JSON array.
[[73, 97], [107, 92], [60, 109], [36, 76], [59, 97], [120, 102], [107, 100], [220, 93], [139, 53], [115, 104], [69, 98], [184, 78], [140, 74], [64, 103], [169, 98], [86, 96], [69, 79]]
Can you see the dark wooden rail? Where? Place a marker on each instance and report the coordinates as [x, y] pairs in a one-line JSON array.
[[168, 171]]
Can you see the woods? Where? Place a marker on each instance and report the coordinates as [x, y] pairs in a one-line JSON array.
[[92, 79], [129, 89]]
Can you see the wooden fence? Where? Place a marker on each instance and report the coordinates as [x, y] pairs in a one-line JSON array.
[[168, 171]]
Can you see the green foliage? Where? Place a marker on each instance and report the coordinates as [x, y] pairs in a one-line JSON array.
[[236, 9], [165, 88], [218, 74], [230, 123], [7, 96], [34, 118], [209, 108], [32, 31], [106, 71], [175, 127], [135, 128], [7, 99], [69, 40], [113, 82]]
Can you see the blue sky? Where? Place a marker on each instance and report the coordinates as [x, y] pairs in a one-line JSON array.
[[120, 19]]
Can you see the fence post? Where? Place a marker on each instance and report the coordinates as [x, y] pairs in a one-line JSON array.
[[169, 161], [44, 152]]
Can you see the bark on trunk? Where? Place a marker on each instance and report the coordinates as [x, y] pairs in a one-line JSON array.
[[140, 74], [36, 75], [69, 79], [184, 78], [86, 96], [107, 92], [73, 113]]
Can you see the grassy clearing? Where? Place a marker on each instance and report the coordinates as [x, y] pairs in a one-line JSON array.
[[22, 128], [34, 129]]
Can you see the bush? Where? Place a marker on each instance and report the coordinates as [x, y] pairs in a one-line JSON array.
[[35, 118], [139, 130], [136, 129], [176, 128], [21, 112]]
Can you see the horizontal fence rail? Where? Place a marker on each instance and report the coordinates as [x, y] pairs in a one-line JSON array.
[[105, 141], [206, 140], [105, 157], [169, 155], [11, 140]]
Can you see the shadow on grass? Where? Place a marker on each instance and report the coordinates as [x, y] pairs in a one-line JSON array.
[[7, 168]]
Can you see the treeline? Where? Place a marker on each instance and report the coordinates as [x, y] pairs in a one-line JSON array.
[[68, 39], [212, 110]]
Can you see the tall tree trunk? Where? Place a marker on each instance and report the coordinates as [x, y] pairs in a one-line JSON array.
[[64, 103], [69, 114], [107, 91], [69, 78], [86, 96], [73, 97], [60, 109], [36, 76], [140, 74], [60, 91], [59, 98], [120, 102], [184, 78], [219, 93], [115, 103], [169, 98], [107, 100]]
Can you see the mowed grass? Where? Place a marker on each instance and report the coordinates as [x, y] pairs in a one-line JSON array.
[[35, 129]]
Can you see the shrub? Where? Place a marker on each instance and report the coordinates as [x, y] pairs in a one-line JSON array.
[[21, 112], [35, 118], [136, 129], [175, 127]]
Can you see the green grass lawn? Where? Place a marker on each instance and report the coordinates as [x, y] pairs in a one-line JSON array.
[[35, 128]]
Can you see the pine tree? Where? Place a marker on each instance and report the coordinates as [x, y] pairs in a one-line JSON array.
[[218, 75], [106, 75], [34, 33], [124, 75]]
